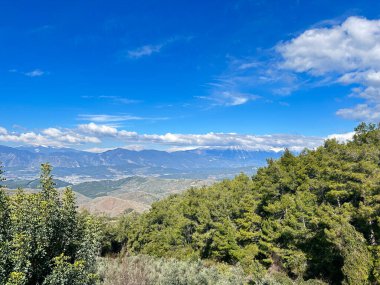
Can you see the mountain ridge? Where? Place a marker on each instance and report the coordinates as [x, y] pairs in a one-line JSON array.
[[24, 162]]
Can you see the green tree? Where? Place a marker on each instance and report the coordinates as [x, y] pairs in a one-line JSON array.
[[43, 240], [314, 215]]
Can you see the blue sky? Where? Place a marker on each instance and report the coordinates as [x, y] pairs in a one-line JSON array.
[[182, 74]]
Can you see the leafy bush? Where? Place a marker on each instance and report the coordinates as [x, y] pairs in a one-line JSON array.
[[43, 240], [146, 270]]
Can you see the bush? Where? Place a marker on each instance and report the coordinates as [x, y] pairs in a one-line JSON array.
[[43, 240], [146, 270]]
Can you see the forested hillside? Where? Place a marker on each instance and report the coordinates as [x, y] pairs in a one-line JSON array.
[[312, 216], [307, 219]]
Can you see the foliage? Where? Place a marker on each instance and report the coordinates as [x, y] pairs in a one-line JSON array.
[[147, 270], [65, 272], [43, 240], [311, 216], [143, 269]]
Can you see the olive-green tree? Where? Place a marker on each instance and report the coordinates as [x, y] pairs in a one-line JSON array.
[[43, 240]]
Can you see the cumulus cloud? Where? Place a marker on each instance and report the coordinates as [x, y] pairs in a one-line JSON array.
[[93, 133], [350, 46], [225, 140], [349, 52], [104, 131], [342, 137], [47, 137], [68, 136], [100, 130], [52, 132], [30, 138], [361, 112], [26, 138], [3, 131]]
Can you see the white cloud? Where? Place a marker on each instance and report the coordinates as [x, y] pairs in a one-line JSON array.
[[47, 137], [147, 50], [225, 140], [101, 130], [227, 98], [29, 138], [105, 131], [103, 149], [94, 134], [247, 78], [35, 73], [369, 78], [118, 99], [52, 132], [99, 149], [342, 137], [248, 65], [361, 112], [3, 131], [68, 136], [144, 51], [102, 118], [350, 52], [355, 44]]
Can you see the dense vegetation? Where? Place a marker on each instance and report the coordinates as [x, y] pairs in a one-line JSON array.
[[312, 216], [307, 219], [43, 240]]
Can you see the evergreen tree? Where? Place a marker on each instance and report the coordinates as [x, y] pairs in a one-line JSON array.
[[315, 215]]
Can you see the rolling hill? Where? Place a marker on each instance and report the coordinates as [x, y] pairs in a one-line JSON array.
[[113, 197]]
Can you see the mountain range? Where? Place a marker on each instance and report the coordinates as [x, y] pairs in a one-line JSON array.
[[75, 166]]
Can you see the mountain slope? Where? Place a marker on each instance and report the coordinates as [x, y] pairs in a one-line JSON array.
[[112, 206], [113, 197], [311, 216]]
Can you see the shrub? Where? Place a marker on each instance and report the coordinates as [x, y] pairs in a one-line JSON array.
[[43, 240], [146, 270]]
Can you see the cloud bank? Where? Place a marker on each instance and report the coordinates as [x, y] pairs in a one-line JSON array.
[[349, 53], [92, 133]]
